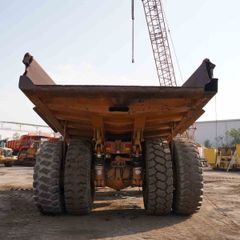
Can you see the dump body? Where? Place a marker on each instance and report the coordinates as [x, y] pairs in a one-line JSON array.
[[76, 110]]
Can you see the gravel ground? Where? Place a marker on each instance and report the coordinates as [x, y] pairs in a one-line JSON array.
[[119, 215]]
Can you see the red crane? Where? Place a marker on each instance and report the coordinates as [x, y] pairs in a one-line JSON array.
[[159, 40]]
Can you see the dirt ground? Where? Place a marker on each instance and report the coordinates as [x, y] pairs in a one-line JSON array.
[[119, 215]]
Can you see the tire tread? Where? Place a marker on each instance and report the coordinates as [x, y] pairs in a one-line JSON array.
[[188, 177], [158, 182]]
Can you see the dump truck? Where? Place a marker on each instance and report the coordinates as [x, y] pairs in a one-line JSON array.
[[26, 147], [118, 137]]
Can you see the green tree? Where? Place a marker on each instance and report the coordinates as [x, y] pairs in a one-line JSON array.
[[207, 144], [234, 133]]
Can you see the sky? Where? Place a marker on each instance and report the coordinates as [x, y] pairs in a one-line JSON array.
[[89, 42]]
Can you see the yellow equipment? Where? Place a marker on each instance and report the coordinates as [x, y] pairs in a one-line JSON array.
[[223, 158], [210, 154], [6, 156], [235, 161]]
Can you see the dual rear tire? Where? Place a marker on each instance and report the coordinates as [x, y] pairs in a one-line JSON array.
[[172, 181], [50, 175]]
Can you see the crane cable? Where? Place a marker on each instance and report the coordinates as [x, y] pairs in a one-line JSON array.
[[133, 30]]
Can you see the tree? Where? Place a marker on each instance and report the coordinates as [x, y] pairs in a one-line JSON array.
[[235, 135], [207, 144]]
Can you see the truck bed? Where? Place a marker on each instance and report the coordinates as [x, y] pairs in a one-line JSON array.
[[76, 110]]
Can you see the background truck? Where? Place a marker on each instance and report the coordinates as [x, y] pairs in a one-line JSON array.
[[26, 147]]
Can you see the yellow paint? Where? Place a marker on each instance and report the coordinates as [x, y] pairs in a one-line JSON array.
[[238, 150], [238, 155], [211, 155]]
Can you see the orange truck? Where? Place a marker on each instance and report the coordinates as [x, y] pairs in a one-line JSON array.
[[118, 136], [27, 147]]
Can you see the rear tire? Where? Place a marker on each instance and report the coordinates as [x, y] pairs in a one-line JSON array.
[[158, 179], [78, 189], [188, 179], [8, 164], [46, 178]]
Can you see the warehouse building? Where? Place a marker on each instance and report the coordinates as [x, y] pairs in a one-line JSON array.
[[215, 131]]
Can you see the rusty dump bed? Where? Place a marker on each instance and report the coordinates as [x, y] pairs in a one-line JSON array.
[[76, 110]]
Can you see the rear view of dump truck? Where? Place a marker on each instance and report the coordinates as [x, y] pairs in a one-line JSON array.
[[119, 137]]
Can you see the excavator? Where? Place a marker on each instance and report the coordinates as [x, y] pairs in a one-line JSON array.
[[121, 136]]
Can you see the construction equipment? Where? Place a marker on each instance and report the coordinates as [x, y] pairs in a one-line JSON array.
[[158, 36], [27, 146], [6, 154], [211, 155], [6, 157], [235, 160], [225, 158], [204, 162], [118, 136]]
